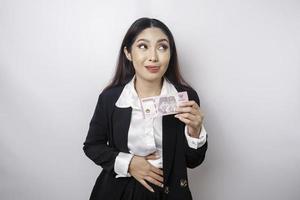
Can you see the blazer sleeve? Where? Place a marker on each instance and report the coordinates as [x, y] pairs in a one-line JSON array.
[[96, 145], [194, 157]]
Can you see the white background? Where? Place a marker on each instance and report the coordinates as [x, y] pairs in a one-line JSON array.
[[242, 57]]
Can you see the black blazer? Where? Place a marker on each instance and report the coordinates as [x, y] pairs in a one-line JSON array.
[[107, 136]]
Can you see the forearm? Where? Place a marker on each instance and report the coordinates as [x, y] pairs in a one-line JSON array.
[[194, 157]]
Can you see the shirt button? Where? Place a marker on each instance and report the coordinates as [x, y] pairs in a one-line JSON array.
[[183, 182], [167, 190]]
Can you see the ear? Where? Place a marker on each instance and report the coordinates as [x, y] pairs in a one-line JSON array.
[[127, 54]]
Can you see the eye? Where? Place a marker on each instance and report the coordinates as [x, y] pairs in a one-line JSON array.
[[163, 47], [142, 46]]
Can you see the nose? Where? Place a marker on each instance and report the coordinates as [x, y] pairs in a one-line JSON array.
[[153, 55]]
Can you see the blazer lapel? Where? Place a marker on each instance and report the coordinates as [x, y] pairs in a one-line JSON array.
[[121, 121], [169, 143]]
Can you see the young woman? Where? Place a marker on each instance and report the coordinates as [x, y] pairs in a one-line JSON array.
[[145, 159]]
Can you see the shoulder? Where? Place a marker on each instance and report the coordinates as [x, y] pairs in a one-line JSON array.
[[110, 95]]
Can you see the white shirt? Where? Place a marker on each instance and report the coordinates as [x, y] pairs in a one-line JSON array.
[[145, 135]]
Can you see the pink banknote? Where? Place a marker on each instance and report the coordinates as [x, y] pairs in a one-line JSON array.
[[162, 105]]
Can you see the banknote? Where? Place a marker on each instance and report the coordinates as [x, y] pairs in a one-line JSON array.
[[162, 105]]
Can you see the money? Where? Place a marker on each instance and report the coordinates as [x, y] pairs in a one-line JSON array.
[[162, 105]]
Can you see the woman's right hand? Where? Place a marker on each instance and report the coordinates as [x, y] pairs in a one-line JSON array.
[[143, 171]]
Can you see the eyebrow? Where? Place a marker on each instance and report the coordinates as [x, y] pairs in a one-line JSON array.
[[160, 40]]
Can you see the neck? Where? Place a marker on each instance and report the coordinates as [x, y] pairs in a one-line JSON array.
[[147, 89]]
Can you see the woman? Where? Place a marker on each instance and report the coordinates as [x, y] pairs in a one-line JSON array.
[[145, 158]]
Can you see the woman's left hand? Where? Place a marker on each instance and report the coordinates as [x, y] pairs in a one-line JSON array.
[[189, 113]]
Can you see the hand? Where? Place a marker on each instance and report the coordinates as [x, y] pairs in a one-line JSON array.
[[189, 113], [143, 171]]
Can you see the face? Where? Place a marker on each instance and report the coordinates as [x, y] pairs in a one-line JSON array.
[[150, 54]]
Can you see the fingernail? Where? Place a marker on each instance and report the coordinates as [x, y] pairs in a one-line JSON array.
[[152, 190], [175, 115], [162, 185]]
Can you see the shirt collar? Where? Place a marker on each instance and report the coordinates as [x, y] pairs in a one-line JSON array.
[[129, 96]]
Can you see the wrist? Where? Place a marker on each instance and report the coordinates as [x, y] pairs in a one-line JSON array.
[[130, 164], [195, 133]]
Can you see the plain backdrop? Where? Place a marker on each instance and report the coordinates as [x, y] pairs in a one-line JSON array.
[[241, 56]]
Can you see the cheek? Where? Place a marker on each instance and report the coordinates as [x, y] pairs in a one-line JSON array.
[[138, 54], [165, 58], [139, 59], [138, 63]]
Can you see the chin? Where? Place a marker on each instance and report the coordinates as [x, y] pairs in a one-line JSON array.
[[151, 77], [154, 77]]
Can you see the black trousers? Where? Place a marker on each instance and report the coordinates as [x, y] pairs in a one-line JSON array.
[[136, 191]]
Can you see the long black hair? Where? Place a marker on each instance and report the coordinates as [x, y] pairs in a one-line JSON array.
[[125, 70]]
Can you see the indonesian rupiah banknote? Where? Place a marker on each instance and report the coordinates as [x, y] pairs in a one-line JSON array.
[[162, 105]]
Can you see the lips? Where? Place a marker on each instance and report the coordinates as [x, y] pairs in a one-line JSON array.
[[152, 68]]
